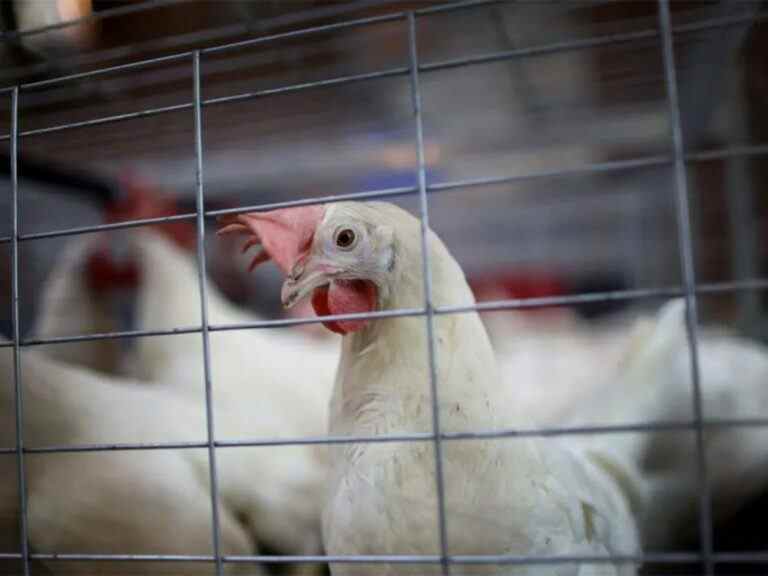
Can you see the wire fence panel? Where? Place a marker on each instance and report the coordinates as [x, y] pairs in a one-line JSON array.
[[203, 282], [689, 280], [689, 289], [18, 387]]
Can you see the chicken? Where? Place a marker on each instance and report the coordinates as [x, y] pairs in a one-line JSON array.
[[653, 384], [69, 306], [521, 496], [112, 502], [552, 363], [260, 392]]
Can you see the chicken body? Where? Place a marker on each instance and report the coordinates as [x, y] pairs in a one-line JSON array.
[[511, 496], [654, 384], [111, 502], [259, 390], [551, 365]]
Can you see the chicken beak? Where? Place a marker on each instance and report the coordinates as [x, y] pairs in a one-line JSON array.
[[301, 282]]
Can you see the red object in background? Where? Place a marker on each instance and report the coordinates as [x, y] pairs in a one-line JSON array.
[[102, 273], [139, 201], [516, 285], [142, 201]]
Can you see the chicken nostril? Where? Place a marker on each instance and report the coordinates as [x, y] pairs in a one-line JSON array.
[[297, 271]]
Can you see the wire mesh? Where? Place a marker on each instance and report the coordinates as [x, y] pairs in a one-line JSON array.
[[210, 428], [689, 282], [690, 289]]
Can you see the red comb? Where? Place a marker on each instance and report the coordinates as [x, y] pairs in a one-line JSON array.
[[285, 235], [143, 201]]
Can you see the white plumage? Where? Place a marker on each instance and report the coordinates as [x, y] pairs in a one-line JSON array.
[[260, 391], [516, 496], [114, 502], [653, 385], [561, 377]]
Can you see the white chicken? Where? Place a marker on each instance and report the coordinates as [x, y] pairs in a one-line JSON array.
[[112, 502], [653, 384], [260, 392], [67, 306], [552, 364], [516, 496]]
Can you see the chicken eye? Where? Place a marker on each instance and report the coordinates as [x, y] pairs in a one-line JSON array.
[[345, 238]]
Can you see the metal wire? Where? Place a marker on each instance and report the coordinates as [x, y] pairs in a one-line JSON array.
[[203, 288], [685, 240], [391, 72], [17, 384], [487, 306], [689, 290], [669, 557], [588, 169], [582, 430], [427, 283]]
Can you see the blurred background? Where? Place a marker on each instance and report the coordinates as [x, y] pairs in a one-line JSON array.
[[549, 153], [535, 113]]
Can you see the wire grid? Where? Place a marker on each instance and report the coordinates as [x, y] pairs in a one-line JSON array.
[[690, 290]]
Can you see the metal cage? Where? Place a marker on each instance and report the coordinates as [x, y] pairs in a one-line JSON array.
[[690, 289]]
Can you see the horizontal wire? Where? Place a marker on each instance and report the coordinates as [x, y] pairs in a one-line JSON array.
[[124, 557], [501, 434], [731, 152], [304, 32], [116, 447], [337, 81], [715, 23], [499, 305], [149, 112], [434, 66], [648, 558], [106, 227], [541, 50], [369, 195], [107, 336], [452, 6], [107, 70], [487, 306], [107, 119], [212, 50], [595, 168], [617, 38], [210, 35], [566, 300]]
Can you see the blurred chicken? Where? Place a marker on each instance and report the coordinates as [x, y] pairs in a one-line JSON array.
[[260, 392], [524, 496], [113, 502], [553, 361], [68, 307], [651, 384]]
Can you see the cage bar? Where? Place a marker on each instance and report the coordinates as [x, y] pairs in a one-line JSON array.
[[18, 386], [429, 314], [689, 290], [685, 247], [203, 288]]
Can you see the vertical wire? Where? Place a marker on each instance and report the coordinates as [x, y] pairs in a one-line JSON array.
[[427, 273], [689, 281], [19, 393], [203, 286]]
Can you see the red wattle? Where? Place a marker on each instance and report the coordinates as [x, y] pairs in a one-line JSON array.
[[345, 297]]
